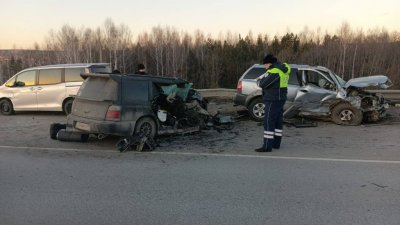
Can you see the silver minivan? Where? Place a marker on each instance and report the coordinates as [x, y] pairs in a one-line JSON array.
[[45, 88]]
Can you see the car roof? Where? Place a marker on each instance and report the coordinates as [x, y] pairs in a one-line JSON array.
[[154, 79], [71, 65], [297, 66]]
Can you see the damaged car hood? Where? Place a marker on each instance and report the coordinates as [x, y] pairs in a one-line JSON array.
[[380, 81]]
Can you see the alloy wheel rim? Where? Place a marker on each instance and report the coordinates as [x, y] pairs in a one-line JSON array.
[[258, 110], [146, 129], [346, 115]]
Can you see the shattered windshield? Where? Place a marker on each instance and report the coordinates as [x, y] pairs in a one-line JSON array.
[[330, 73], [181, 91], [340, 80]]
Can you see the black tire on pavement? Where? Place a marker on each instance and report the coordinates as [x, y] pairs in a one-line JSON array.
[[54, 128], [256, 109], [63, 135], [84, 137], [346, 114], [6, 107], [67, 106]]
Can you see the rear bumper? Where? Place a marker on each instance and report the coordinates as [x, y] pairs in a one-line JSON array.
[[92, 126], [239, 99]]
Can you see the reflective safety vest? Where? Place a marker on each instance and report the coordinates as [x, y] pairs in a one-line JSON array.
[[283, 77]]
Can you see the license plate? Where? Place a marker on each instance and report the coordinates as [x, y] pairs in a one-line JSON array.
[[82, 126]]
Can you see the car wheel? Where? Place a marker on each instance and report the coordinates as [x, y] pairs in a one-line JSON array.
[[55, 128], [84, 137], [67, 107], [63, 135], [257, 109], [6, 107], [346, 114], [146, 127]]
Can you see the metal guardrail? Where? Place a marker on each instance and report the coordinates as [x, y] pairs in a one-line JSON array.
[[388, 94], [226, 92], [217, 92]]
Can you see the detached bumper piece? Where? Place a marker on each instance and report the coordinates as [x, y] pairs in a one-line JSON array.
[[220, 123]]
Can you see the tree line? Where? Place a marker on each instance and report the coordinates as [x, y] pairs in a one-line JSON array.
[[213, 62]]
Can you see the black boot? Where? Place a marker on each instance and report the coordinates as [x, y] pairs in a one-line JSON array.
[[264, 148], [277, 142]]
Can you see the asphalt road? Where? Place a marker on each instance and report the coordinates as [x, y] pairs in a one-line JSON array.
[[322, 175], [69, 187]]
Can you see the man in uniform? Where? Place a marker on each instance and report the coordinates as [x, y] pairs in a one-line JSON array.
[[274, 90]]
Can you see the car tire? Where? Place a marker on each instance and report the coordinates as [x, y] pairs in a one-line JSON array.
[[55, 128], [6, 107], [147, 126], [67, 106], [256, 109], [63, 135], [84, 137], [346, 114]]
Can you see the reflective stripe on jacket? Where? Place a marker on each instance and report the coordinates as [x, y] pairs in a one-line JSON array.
[[274, 83]]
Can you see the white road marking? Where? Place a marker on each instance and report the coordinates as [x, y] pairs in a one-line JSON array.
[[57, 149], [257, 156]]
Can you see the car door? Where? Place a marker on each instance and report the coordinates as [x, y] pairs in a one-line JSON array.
[[24, 91], [293, 87], [50, 89], [315, 89]]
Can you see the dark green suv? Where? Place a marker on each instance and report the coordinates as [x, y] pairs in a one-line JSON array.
[[122, 105]]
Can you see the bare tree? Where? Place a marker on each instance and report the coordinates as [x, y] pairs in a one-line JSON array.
[[111, 42], [69, 43], [344, 34]]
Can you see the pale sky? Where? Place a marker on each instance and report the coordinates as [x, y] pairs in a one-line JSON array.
[[24, 22]]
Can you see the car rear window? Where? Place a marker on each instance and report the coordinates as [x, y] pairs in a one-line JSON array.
[[99, 88], [254, 73]]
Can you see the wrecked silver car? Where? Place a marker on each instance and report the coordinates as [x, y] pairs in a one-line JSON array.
[[316, 91]]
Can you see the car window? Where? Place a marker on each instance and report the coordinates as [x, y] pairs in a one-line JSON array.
[[299, 74], [10, 83], [49, 76], [317, 79], [293, 78], [99, 88], [27, 78], [73, 74], [135, 91], [253, 73]]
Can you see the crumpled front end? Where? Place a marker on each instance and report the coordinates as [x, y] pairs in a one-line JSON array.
[[372, 105]]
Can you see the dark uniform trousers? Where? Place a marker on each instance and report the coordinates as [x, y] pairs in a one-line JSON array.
[[273, 123]]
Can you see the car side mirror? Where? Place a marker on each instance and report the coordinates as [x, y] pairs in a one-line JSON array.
[[19, 84]]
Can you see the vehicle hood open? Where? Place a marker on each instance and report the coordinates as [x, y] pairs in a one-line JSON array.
[[380, 81]]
